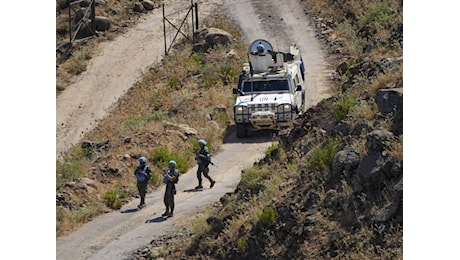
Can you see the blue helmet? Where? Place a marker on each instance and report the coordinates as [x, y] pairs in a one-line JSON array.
[[260, 48], [201, 141], [172, 163], [142, 159]]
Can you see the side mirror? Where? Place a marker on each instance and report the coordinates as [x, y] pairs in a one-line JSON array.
[[235, 91], [298, 88]]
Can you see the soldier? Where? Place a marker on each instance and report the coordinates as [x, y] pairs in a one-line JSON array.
[[203, 158], [170, 178], [143, 175]]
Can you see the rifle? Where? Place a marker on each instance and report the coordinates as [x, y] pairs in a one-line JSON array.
[[206, 158]]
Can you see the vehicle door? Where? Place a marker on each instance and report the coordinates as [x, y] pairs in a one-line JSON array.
[[298, 92]]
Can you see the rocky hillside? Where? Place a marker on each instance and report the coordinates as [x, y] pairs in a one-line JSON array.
[[332, 188]]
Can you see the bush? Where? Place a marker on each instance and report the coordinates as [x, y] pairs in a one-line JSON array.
[[69, 170], [242, 243], [342, 107], [251, 179], [163, 156], [322, 157], [114, 199], [268, 214], [379, 15]]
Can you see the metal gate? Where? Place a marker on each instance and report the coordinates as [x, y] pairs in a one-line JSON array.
[[180, 23], [81, 21]]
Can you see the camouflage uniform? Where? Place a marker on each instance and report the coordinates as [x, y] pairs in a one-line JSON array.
[[170, 179], [203, 158], [143, 174]]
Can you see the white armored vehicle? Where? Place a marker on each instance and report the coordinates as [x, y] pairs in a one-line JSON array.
[[271, 91]]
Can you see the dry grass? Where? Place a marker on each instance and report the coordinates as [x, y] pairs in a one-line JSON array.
[[395, 150], [350, 18]]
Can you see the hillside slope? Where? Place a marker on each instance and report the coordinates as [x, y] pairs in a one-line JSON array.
[[108, 168], [333, 188]]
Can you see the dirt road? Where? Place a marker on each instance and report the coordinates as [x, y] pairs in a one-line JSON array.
[[116, 235]]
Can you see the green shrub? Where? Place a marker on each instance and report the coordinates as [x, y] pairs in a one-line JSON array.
[[322, 157], [69, 170], [378, 15], [342, 107], [268, 214], [275, 152], [114, 199], [197, 58], [242, 243], [163, 156], [229, 74], [155, 179], [88, 152], [222, 116], [271, 148], [251, 179]]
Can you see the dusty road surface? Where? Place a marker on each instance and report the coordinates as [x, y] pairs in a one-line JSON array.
[[115, 235]]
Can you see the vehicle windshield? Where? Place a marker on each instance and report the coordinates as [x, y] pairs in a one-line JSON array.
[[269, 85]]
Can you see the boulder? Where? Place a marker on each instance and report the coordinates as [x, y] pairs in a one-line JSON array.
[[210, 37], [148, 5], [138, 7], [102, 23], [389, 100], [345, 162], [377, 139], [217, 36]]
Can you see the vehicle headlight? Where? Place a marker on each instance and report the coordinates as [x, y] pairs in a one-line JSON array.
[[241, 110], [284, 108]]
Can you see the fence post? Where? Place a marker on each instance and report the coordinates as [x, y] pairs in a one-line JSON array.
[[93, 16], [196, 12], [164, 30], [70, 24]]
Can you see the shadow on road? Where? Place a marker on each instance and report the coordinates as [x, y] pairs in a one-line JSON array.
[[156, 220], [129, 210], [259, 136], [193, 190]]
